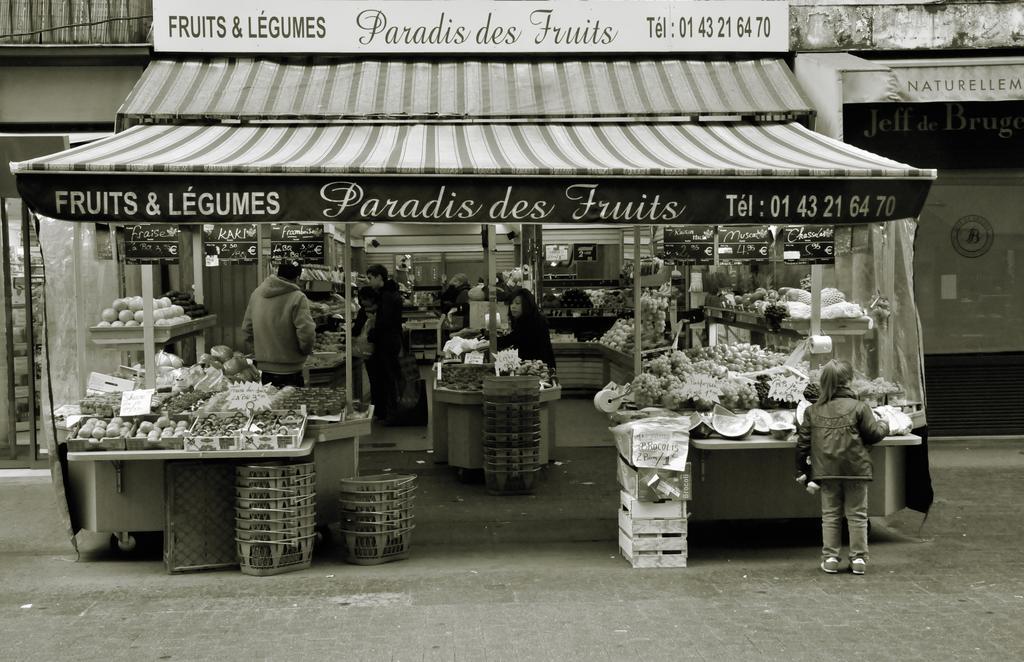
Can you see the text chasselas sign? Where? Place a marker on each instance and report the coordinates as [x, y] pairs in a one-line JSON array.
[[469, 26], [174, 198]]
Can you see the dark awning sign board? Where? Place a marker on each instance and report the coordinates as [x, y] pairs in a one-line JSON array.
[[629, 173]]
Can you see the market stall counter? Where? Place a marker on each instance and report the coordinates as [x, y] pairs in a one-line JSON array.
[[456, 425], [754, 479], [126, 491]]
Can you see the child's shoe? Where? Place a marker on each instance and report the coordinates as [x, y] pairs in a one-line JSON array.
[[830, 565], [858, 566]]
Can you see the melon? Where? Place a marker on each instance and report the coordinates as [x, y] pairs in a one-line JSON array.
[[762, 420], [701, 428], [781, 431], [785, 416], [800, 409], [732, 427]]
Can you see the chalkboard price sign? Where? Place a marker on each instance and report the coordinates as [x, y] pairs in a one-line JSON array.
[[151, 244], [584, 252], [809, 244], [693, 244], [233, 244], [292, 241], [743, 243]]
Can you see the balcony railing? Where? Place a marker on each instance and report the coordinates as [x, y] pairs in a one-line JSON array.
[[58, 22]]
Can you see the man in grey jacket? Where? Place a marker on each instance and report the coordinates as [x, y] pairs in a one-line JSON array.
[[279, 327]]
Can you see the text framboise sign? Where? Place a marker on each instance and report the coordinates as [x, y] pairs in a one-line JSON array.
[[469, 26]]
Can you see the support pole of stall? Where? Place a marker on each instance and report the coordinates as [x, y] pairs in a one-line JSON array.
[[148, 325], [492, 292], [198, 262], [12, 418], [346, 261], [27, 221], [80, 321], [637, 343]]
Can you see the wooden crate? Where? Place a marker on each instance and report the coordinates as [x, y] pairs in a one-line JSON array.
[[652, 543], [652, 510], [640, 484]]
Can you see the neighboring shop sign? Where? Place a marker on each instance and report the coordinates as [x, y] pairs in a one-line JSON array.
[[476, 200], [743, 243], [972, 236], [154, 243], [230, 244], [693, 244], [304, 243], [809, 244], [943, 79], [584, 252], [948, 134], [469, 26], [556, 252]]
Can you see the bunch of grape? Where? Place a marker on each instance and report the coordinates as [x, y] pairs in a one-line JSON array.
[[653, 313], [646, 390], [738, 395]]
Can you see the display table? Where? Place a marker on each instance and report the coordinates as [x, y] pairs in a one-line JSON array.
[[123, 491], [588, 366], [457, 423], [755, 479]]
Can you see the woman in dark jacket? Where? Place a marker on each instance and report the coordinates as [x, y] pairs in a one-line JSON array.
[[835, 433], [530, 334]]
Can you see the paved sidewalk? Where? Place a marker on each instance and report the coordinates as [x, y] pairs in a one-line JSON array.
[[953, 590]]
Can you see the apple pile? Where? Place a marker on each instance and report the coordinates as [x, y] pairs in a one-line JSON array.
[[128, 312], [162, 428], [101, 428]]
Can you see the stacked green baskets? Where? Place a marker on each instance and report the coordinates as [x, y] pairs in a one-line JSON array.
[[511, 434], [275, 517], [376, 517]]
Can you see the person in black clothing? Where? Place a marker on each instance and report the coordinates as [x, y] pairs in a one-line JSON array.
[[455, 299], [386, 335], [529, 333]]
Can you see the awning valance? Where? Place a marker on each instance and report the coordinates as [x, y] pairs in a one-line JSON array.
[[476, 173], [257, 89]]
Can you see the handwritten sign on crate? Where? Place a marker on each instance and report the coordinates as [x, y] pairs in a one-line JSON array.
[[156, 243], [809, 244], [292, 241], [230, 244], [137, 403], [693, 244], [743, 243]]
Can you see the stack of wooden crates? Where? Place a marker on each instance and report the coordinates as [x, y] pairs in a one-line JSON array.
[[652, 514]]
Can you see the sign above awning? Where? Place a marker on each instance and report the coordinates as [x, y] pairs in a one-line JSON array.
[[629, 173], [255, 90], [939, 80], [469, 26]]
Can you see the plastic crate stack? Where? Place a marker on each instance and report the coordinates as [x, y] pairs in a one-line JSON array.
[[377, 517], [511, 444], [275, 517]]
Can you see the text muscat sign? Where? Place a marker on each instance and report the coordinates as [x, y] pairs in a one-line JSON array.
[[469, 26], [172, 198]]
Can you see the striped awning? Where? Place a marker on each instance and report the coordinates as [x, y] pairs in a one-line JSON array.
[[249, 89], [601, 150], [583, 173]]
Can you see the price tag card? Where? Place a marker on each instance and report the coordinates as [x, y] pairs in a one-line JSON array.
[[809, 244], [137, 403], [100, 383], [787, 388], [652, 448], [246, 396], [743, 242], [702, 387], [475, 358]]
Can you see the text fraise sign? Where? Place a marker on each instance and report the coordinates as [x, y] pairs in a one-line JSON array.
[[786, 388]]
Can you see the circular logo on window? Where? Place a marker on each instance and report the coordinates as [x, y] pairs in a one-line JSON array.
[[972, 236]]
